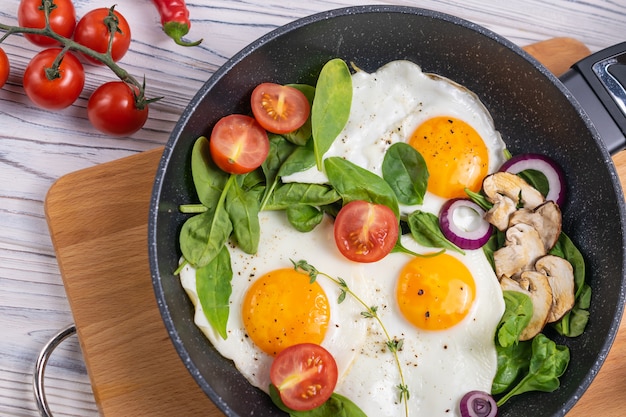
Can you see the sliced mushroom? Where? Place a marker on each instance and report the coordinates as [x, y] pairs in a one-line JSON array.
[[523, 246], [500, 213], [546, 219], [536, 286], [512, 186], [560, 274]]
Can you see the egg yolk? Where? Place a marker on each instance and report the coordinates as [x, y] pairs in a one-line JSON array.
[[456, 156], [435, 293], [282, 308]]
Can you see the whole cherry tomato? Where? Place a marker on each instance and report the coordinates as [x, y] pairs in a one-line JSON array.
[[53, 89], [4, 68], [62, 20], [365, 232], [112, 109], [93, 31]]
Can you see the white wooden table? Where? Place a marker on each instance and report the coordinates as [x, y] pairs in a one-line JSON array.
[[38, 146]]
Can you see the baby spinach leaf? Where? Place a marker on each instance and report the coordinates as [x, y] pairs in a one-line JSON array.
[[290, 194], [301, 159], [425, 230], [303, 134], [405, 171], [548, 362], [574, 322], [331, 106], [513, 364], [208, 179], [304, 217], [517, 314], [355, 183], [243, 211], [280, 150], [202, 236], [214, 290], [336, 406]]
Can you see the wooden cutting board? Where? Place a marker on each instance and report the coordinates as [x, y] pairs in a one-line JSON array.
[[98, 224]]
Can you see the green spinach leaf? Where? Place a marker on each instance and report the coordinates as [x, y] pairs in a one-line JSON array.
[[548, 362], [303, 217], [214, 290], [208, 179], [331, 106], [203, 236], [355, 183], [290, 194], [243, 211], [513, 364], [517, 314], [405, 171], [425, 230], [301, 159]]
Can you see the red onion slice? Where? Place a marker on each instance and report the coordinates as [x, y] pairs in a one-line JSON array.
[[553, 172], [478, 404], [462, 223]]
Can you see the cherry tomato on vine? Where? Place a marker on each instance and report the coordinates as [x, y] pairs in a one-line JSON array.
[[92, 31], [305, 376], [279, 108], [365, 232], [53, 89], [62, 20], [4, 68], [113, 109], [238, 144]]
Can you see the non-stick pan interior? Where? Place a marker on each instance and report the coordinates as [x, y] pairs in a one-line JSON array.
[[530, 108]]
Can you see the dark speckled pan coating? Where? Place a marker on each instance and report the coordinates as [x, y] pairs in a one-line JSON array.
[[530, 107]]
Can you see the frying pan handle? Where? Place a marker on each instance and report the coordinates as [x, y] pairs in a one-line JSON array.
[[599, 84], [40, 367]]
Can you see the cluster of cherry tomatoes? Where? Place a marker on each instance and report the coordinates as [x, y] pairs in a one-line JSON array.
[[55, 77]]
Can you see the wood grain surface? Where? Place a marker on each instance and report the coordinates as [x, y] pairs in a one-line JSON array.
[[98, 223]]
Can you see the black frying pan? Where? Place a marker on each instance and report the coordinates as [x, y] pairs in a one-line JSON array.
[[531, 108]]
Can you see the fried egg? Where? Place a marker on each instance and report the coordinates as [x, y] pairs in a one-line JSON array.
[[443, 120], [272, 306], [443, 308]]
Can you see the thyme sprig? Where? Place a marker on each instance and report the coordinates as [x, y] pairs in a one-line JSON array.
[[371, 312]]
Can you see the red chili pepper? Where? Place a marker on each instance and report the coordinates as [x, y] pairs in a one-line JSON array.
[[175, 20]]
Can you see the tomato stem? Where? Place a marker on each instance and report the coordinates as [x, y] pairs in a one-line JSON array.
[[69, 44]]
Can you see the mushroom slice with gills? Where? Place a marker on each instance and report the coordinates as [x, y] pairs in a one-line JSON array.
[[536, 286], [500, 213], [546, 219], [560, 274], [522, 247], [514, 187]]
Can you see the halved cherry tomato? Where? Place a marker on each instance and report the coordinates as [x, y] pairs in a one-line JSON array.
[[93, 32], [112, 109], [305, 376], [279, 108], [365, 232], [55, 93], [4, 67], [62, 20], [238, 144]]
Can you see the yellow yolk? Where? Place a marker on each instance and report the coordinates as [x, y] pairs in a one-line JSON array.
[[435, 293], [456, 156], [282, 308]]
